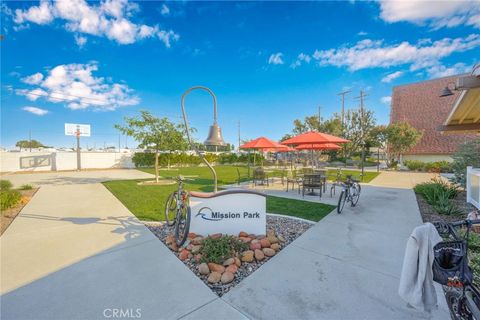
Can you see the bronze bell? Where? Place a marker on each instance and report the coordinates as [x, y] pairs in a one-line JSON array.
[[214, 136]]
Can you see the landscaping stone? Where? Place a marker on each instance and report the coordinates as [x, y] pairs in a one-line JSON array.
[[272, 239], [245, 239], [280, 238], [229, 261], [196, 249], [275, 246], [260, 237], [265, 243], [191, 235], [232, 268], [270, 233], [170, 239], [238, 263], [247, 256], [268, 252], [227, 277], [242, 234], [197, 240], [183, 254], [254, 246], [203, 268], [214, 277], [197, 257], [214, 267], [215, 236], [259, 255]]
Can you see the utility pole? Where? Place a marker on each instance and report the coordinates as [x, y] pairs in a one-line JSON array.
[[119, 143], [79, 163], [319, 118], [30, 139], [126, 141], [362, 97]]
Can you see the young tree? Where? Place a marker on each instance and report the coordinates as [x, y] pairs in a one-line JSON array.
[[468, 154], [157, 134], [26, 144], [357, 129], [400, 138]]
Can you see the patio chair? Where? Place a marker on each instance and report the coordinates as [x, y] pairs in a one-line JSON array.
[[312, 182], [293, 178], [260, 177], [239, 176]]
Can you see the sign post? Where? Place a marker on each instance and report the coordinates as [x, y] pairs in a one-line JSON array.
[[77, 130]]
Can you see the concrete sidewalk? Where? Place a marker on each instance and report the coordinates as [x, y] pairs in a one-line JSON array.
[[75, 252]]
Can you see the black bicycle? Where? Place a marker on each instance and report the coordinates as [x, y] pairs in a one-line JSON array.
[[450, 268], [350, 193], [177, 212]]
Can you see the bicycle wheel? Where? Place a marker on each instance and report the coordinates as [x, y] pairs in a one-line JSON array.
[[458, 307], [356, 189], [341, 201], [182, 225], [171, 209]]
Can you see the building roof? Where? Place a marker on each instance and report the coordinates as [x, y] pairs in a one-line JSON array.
[[421, 106]]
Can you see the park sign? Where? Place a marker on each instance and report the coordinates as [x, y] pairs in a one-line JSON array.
[[228, 212], [72, 129]]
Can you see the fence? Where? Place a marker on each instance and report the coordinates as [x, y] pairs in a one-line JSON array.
[[57, 161], [473, 186]]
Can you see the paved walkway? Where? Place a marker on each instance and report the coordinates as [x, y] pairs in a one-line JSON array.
[[403, 180], [83, 252]]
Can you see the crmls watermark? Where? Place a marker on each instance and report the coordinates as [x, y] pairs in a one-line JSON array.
[[120, 313]]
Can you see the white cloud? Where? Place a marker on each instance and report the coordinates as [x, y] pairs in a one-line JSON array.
[[80, 40], [374, 53], [439, 70], [362, 33], [35, 78], [392, 76], [75, 85], [436, 14], [302, 57], [386, 100], [165, 11], [110, 19], [276, 58], [35, 110]]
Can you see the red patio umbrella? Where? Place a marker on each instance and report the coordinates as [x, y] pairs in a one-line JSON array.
[[263, 144], [314, 137], [319, 146]]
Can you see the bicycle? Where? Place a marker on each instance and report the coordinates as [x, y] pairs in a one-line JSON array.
[[463, 297], [350, 193], [177, 212]]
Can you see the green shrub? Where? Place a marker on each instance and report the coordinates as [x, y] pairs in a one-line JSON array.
[[5, 185], [443, 205], [437, 166], [219, 250], [26, 187], [468, 154], [414, 165], [9, 198], [438, 194]]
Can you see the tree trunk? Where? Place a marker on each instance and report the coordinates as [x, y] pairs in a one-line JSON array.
[[156, 166]]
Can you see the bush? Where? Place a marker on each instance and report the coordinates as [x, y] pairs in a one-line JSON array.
[[147, 159], [437, 166], [219, 250], [26, 187], [9, 198], [438, 193], [5, 185], [468, 154]]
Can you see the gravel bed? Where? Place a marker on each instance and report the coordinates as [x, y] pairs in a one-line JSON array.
[[289, 229]]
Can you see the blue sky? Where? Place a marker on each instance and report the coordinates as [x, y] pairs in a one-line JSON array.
[[268, 63]]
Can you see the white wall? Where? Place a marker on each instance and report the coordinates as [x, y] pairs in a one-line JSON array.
[[427, 157], [53, 161]]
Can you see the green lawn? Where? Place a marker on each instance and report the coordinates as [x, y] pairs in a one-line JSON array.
[[368, 175], [147, 202]]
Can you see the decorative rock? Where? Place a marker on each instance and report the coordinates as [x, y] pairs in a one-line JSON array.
[[272, 239], [270, 233], [247, 256], [214, 277], [197, 240], [173, 246], [227, 277], [229, 261], [254, 246], [265, 243], [275, 246], [245, 239], [192, 235], [203, 268], [242, 234], [170, 239], [184, 254], [260, 237], [232, 269], [279, 237], [215, 236], [196, 249], [238, 263], [214, 267], [198, 257], [189, 247], [251, 235], [269, 252], [259, 256]]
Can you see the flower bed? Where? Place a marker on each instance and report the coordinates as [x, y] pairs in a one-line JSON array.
[[223, 261]]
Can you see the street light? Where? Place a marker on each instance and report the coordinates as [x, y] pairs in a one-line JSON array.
[[214, 135]]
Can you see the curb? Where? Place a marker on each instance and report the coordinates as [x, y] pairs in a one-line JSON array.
[[290, 217]]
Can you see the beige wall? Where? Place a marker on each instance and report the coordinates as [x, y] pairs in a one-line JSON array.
[[427, 157], [52, 161]]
